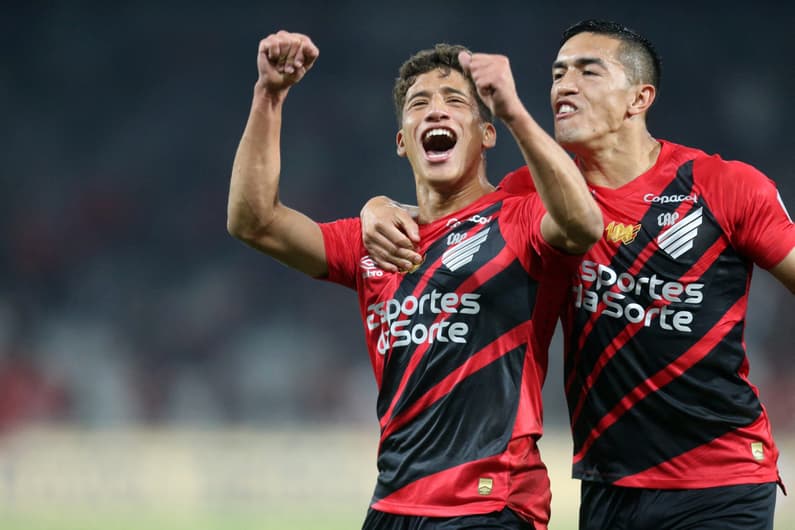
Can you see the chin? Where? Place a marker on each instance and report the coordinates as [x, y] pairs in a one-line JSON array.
[[569, 139], [442, 178]]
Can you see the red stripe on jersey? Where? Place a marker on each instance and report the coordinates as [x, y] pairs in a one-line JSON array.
[[527, 492], [491, 352], [631, 329], [638, 264], [720, 458], [487, 271], [586, 330], [675, 369]]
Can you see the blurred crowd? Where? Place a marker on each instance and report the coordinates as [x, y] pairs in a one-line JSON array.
[[122, 298]]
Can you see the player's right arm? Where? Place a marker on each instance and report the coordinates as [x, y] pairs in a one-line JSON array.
[[785, 271], [255, 215]]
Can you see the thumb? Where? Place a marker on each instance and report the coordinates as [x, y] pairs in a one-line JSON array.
[[465, 58], [413, 232]]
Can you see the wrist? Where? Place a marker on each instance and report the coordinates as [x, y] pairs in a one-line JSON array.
[[516, 115], [267, 97]]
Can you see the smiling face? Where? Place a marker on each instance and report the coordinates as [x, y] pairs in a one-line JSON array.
[[442, 134], [591, 94]]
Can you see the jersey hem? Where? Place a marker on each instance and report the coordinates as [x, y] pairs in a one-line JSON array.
[[680, 483], [478, 508]]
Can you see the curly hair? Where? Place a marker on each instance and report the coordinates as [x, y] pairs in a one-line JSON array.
[[443, 57]]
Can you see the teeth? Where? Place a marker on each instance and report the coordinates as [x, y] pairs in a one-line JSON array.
[[438, 132], [566, 108]]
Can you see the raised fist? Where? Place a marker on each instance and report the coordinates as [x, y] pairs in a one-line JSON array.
[[283, 60]]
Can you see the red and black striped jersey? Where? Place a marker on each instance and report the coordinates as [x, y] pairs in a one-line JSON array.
[[656, 372], [459, 351]]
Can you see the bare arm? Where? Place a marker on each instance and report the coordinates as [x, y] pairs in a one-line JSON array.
[[785, 271], [573, 222], [254, 213]]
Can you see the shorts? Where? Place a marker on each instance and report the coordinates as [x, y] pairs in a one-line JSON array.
[[503, 520], [742, 507]]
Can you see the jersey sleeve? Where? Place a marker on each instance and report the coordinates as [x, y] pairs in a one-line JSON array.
[[343, 244], [524, 236], [518, 182], [752, 212]]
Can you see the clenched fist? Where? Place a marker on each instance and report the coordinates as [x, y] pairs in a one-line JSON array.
[[283, 60], [494, 81]]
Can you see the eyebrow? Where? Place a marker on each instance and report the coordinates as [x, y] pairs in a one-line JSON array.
[[446, 90], [580, 62]]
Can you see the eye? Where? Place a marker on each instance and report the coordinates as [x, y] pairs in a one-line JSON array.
[[458, 100], [557, 75], [416, 103], [589, 72]]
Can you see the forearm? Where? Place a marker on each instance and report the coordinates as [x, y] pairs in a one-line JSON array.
[[785, 271], [559, 183], [254, 185]]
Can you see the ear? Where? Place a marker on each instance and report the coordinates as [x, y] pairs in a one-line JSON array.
[[644, 97], [401, 146], [488, 135]]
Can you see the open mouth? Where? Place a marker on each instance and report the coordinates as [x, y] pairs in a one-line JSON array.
[[438, 143], [565, 109]]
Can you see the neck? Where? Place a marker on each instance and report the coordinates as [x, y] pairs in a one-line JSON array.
[[619, 161], [436, 201]]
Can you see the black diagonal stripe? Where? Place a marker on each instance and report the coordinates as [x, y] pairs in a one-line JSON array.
[[693, 410], [608, 326], [475, 420], [605, 328], [506, 301], [441, 280], [635, 361]]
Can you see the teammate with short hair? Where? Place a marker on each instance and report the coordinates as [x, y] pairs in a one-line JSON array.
[[458, 345], [668, 431]]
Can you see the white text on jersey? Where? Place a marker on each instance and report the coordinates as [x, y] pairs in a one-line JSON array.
[[623, 287]]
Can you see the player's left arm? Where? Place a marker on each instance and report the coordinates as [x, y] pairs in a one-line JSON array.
[[752, 213]]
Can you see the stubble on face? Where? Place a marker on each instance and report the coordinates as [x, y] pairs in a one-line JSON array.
[[589, 91]]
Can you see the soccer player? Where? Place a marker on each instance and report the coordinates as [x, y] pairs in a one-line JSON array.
[[458, 345], [668, 431]]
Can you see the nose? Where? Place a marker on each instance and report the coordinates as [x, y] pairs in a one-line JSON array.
[[565, 84], [437, 109]]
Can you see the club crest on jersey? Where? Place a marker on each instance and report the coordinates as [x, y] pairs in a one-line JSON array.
[[621, 233], [462, 253], [369, 268], [678, 239], [758, 451], [485, 485]]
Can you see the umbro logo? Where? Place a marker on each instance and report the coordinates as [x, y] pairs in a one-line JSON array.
[[369, 268], [459, 255], [679, 238]]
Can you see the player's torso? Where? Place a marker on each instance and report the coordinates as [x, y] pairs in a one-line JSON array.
[[449, 343], [655, 363], [663, 267]]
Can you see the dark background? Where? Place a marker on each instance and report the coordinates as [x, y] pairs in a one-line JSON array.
[[124, 301]]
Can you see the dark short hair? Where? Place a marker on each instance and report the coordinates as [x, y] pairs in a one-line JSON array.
[[442, 56], [641, 61]]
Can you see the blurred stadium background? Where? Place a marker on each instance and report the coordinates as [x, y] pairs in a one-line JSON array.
[[155, 373]]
